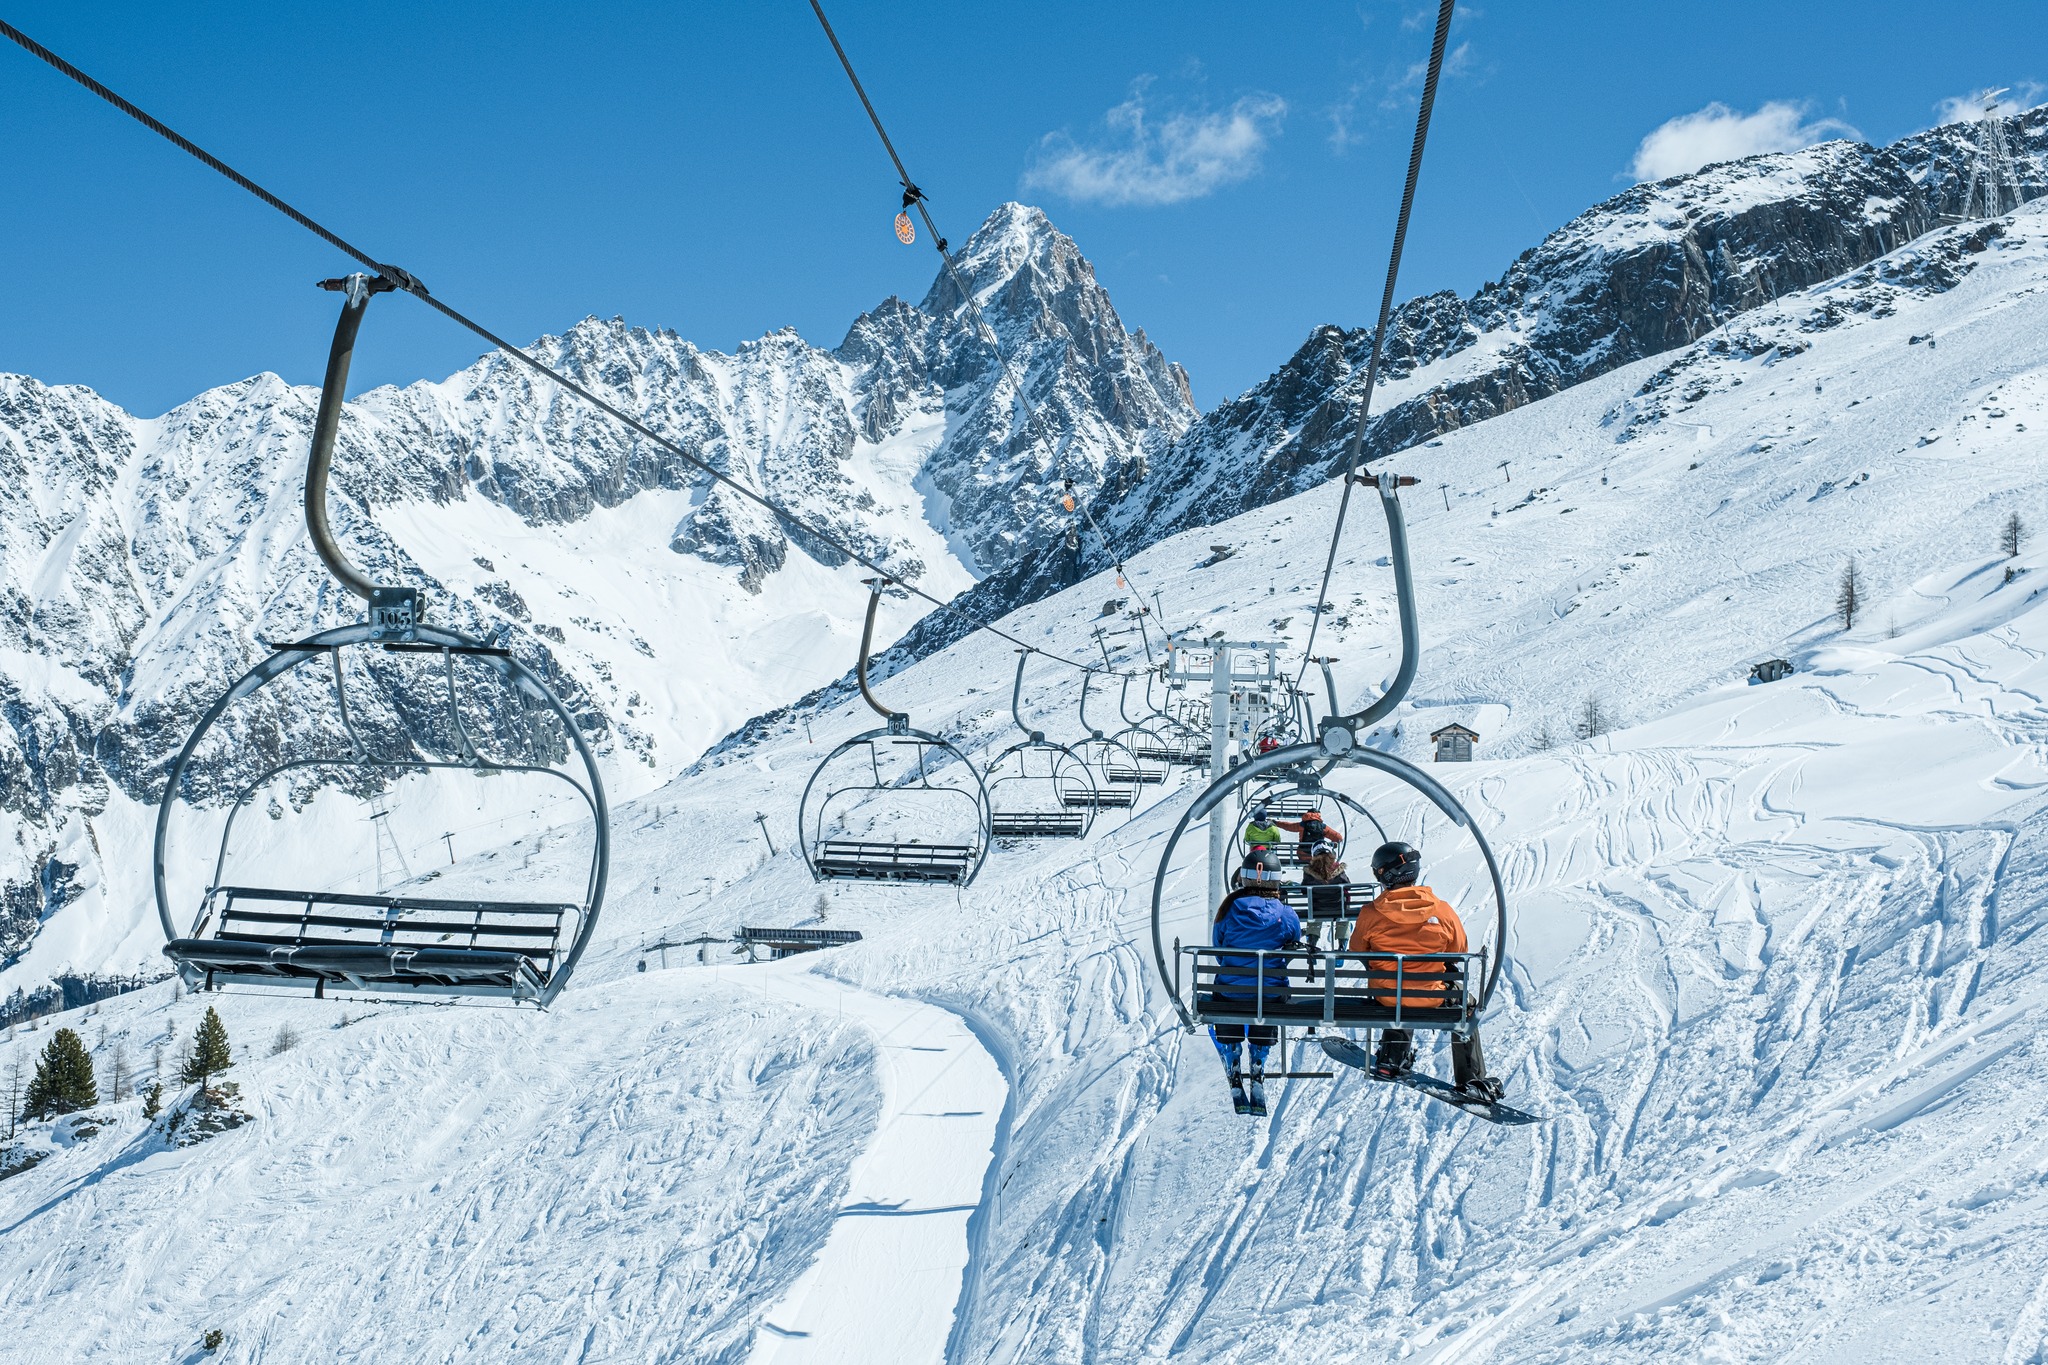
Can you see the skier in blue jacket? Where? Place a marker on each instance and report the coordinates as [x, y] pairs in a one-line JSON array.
[[1251, 916]]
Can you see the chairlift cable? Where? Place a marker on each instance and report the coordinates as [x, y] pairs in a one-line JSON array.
[[913, 197], [404, 281], [1354, 452]]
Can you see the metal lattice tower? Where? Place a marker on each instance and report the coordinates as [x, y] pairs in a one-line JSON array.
[[1991, 167]]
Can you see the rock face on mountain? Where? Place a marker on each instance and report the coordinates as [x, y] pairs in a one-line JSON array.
[[1650, 270], [146, 558]]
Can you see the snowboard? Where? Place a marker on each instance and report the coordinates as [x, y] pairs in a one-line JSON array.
[[1351, 1054]]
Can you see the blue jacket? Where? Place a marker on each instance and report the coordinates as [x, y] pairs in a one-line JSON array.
[[1253, 919]]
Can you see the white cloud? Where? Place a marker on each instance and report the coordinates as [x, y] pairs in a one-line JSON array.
[[2002, 103], [1718, 133], [1405, 92], [1165, 161]]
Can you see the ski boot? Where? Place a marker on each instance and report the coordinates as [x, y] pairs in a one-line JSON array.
[[1256, 1091]]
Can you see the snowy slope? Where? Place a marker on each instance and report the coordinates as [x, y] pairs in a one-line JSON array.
[[1777, 975]]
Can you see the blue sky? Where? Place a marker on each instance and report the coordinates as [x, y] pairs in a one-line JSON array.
[[1231, 169]]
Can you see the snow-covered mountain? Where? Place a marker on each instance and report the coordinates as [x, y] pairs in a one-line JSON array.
[[146, 558], [1776, 976], [1648, 271]]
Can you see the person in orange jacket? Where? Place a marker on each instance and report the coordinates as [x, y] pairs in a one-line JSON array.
[[1408, 918], [1312, 831]]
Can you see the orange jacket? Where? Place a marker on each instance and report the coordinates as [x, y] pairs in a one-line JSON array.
[[1409, 919]]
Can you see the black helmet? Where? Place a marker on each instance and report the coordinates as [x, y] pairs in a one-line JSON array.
[[1396, 864], [1259, 811], [1259, 866]]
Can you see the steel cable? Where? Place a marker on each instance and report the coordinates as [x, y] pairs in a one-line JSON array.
[[1355, 450]]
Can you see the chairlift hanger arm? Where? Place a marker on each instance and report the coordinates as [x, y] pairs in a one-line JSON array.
[[898, 721], [1017, 698], [1087, 677], [357, 291]]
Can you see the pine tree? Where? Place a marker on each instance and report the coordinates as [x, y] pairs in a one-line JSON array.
[[209, 1051], [2012, 536], [153, 1100], [63, 1083], [1849, 595]]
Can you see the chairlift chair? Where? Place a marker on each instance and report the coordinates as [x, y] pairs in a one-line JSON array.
[[1113, 770], [918, 790], [1028, 783], [1310, 988], [1293, 795], [1146, 745], [430, 704]]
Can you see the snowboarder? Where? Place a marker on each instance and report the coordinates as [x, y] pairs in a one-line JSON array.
[[1323, 870], [1263, 831], [1407, 918], [1251, 917]]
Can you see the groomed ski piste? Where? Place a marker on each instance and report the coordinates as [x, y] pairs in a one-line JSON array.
[[1776, 973]]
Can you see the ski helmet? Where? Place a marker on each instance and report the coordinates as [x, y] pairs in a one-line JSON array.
[[1259, 812], [1322, 846], [1396, 864], [1259, 866]]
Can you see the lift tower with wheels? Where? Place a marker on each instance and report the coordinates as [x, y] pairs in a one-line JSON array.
[[1244, 679]]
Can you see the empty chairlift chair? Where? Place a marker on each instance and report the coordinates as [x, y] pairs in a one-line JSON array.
[[1109, 765], [304, 824], [1147, 767], [1028, 783], [894, 804]]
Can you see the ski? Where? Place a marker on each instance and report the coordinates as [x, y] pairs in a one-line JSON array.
[[1351, 1054], [1257, 1105]]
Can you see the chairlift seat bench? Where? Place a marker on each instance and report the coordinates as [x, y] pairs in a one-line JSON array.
[[1335, 901], [1342, 989], [1032, 824], [865, 860], [508, 946]]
